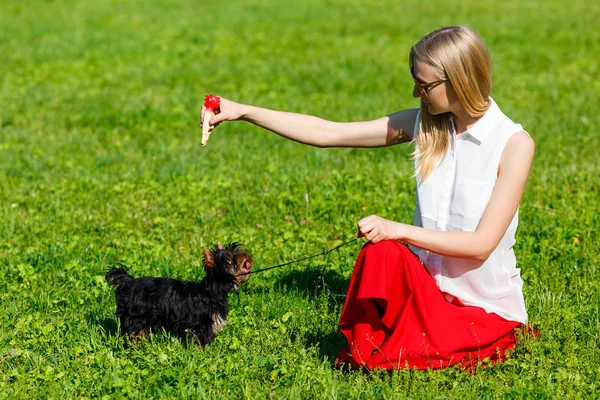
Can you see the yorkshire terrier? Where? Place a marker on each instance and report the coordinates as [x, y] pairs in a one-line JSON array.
[[188, 309]]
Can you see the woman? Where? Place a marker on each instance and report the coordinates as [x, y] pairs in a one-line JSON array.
[[454, 297]]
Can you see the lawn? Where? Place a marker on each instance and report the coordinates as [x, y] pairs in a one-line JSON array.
[[101, 162]]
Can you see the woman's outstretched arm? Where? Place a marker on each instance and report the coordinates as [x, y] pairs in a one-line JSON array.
[[386, 131]]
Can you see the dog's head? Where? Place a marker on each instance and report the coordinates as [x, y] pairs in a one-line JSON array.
[[231, 262]]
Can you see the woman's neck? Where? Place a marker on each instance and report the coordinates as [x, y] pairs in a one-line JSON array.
[[463, 121]]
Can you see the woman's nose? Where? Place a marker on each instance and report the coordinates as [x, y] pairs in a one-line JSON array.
[[416, 92]]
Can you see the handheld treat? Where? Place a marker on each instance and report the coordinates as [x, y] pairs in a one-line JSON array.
[[211, 102]]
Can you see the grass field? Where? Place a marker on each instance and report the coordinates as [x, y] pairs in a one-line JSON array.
[[100, 161]]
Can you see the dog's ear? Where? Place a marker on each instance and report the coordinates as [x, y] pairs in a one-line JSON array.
[[209, 258], [220, 246]]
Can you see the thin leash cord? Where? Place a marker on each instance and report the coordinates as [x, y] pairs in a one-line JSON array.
[[303, 259]]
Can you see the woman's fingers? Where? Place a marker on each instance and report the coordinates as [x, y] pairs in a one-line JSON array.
[[367, 222], [373, 235], [218, 117], [363, 222], [375, 239], [372, 228], [366, 227], [227, 111], [216, 111]]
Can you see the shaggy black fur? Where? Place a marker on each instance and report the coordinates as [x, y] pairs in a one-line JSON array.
[[195, 310]]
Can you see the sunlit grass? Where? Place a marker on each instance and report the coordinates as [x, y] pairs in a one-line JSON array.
[[100, 161]]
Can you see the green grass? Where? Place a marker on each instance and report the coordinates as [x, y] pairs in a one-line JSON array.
[[100, 161]]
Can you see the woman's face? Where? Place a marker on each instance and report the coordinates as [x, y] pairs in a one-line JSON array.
[[439, 98]]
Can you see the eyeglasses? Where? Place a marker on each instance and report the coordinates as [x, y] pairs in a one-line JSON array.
[[424, 88]]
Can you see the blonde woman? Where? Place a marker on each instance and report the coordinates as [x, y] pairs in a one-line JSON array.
[[455, 295]]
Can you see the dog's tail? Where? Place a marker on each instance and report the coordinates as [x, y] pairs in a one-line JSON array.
[[118, 276]]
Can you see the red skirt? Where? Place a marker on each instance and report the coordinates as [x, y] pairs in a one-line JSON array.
[[395, 316]]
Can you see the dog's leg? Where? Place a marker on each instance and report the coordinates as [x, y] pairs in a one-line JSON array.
[[191, 335], [135, 336]]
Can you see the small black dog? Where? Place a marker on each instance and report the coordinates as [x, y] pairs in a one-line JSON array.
[[194, 310]]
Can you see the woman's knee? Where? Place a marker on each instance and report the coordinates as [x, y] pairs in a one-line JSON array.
[[384, 245]]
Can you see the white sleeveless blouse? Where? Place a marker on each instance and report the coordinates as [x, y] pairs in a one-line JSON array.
[[453, 198]]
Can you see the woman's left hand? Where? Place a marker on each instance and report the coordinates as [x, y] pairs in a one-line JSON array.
[[376, 229]]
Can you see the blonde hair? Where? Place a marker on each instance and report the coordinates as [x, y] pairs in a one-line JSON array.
[[459, 55]]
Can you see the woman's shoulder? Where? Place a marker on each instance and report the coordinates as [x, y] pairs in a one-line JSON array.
[[519, 151], [512, 130], [521, 139]]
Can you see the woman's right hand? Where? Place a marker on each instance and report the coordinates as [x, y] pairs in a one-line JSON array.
[[227, 111], [386, 131]]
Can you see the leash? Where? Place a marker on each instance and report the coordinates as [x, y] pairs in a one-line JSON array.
[[303, 259]]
